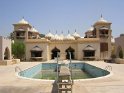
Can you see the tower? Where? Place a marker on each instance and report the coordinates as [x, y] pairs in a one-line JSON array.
[[23, 30], [102, 30]]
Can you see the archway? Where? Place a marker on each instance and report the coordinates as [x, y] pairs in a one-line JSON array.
[[7, 54], [54, 52], [71, 50]]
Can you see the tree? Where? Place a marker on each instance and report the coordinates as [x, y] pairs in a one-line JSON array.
[[18, 50], [121, 53], [113, 52]]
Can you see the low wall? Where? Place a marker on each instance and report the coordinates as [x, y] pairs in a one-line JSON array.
[[6, 62], [119, 61], [9, 62], [15, 61]]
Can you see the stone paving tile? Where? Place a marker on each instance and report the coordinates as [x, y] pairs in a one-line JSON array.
[[10, 83]]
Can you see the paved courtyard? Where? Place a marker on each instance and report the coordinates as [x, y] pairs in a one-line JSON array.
[[11, 83]]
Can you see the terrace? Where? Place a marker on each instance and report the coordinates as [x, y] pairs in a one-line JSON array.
[[11, 83]]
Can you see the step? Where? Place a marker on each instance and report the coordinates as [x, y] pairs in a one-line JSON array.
[[65, 89], [63, 83]]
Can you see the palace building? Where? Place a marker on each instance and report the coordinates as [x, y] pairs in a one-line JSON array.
[[96, 45]]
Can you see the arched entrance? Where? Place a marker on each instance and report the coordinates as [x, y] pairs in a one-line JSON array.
[[7, 54], [71, 50], [54, 52]]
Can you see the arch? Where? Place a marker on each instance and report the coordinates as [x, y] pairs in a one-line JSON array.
[[54, 52], [6, 54], [71, 50]]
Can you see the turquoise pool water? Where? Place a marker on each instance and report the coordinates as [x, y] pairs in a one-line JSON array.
[[48, 71], [51, 74]]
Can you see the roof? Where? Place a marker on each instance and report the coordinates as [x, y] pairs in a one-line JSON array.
[[33, 29], [49, 35], [23, 21], [89, 48], [36, 48], [101, 21], [90, 29], [103, 28], [69, 37], [56, 37], [76, 34]]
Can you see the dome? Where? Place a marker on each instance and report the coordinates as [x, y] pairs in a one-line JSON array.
[[33, 29], [23, 21], [49, 35], [112, 40], [101, 20], [76, 35], [69, 37], [56, 37], [62, 37], [91, 28]]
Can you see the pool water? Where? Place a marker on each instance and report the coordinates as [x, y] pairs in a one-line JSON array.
[[48, 71], [51, 74]]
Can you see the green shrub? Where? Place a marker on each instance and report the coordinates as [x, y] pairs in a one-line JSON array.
[[121, 54], [18, 49]]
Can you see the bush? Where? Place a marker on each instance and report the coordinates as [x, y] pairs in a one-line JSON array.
[[121, 54], [18, 50]]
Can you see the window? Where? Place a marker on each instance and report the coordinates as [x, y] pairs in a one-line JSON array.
[[36, 54], [103, 47], [89, 53]]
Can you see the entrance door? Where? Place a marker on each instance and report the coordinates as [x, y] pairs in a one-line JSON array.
[[6, 54], [71, 50], [54, 52]]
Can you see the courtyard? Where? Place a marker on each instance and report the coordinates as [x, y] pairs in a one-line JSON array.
[[11, 83]]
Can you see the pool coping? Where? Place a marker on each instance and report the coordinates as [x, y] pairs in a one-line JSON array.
[[89, 79]]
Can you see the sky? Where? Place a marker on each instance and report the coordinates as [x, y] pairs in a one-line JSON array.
[[61, 15]]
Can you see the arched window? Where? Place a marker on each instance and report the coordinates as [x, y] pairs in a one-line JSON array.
[[36, 53], [89, 52]]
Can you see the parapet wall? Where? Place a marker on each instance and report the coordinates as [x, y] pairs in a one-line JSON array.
[[5, 43], [119, 61], [10, 62]]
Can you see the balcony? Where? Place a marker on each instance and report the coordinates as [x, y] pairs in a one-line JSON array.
[[20, 37], [104, 35]]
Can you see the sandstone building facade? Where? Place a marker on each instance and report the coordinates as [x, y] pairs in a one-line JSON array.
[[96, 45]]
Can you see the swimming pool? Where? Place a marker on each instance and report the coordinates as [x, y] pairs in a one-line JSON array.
[[52, 74], [48, 71]]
